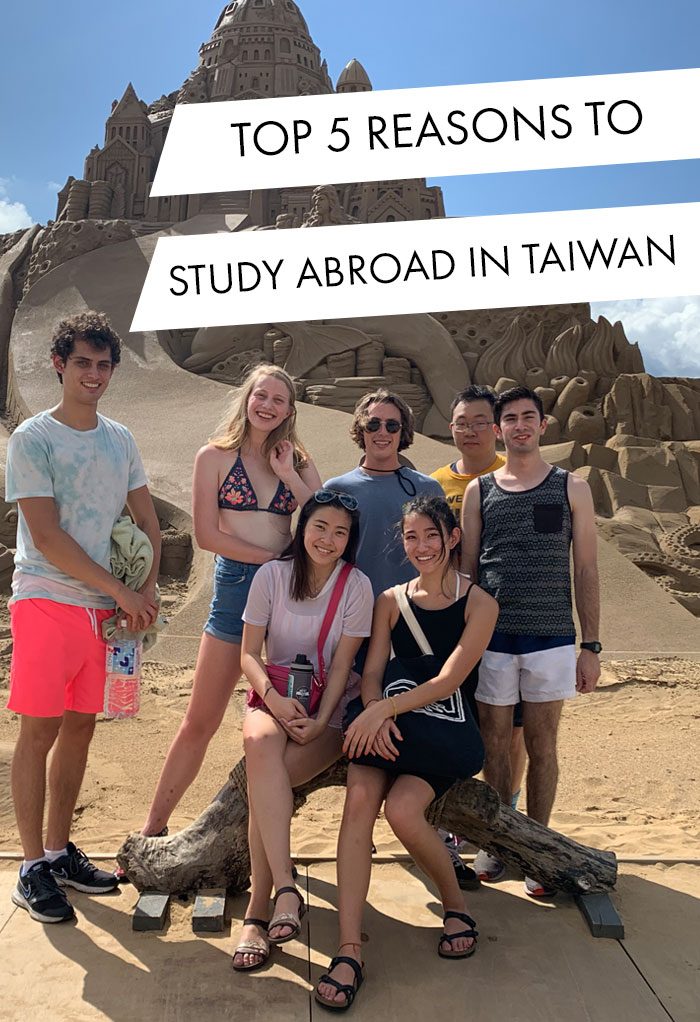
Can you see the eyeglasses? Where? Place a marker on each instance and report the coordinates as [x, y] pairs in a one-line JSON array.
[[475, 427], [374, 425], [346, 499]]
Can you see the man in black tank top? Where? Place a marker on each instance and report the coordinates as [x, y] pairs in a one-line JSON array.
[[519, 524]]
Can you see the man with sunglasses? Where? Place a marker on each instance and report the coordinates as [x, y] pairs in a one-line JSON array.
[[382, 426], [71, 472]]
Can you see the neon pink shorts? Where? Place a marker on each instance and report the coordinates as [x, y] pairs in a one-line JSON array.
[[58, 658]]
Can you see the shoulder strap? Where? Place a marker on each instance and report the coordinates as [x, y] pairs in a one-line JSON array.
[[328, 618], [410, 619]]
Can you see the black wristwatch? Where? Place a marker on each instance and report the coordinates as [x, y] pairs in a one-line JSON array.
[[594, 647]]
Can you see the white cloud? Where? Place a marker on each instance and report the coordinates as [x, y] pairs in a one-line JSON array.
[[54, 186], [13, 215], [666, 329]]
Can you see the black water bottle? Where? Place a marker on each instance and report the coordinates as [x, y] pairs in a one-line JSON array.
[[301, 673]]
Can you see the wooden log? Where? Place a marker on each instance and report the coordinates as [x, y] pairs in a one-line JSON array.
[[213, 850]]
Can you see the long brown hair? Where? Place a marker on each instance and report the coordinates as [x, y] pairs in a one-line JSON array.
[[233, 431]]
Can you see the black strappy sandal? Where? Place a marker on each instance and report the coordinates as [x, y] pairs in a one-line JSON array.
[[287, 918], [253, 946], [447, 938], [350, 990]]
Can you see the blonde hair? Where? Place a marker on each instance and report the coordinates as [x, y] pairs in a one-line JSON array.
[[233, 431]]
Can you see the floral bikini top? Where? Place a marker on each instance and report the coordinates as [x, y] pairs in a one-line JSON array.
[[237, 494]]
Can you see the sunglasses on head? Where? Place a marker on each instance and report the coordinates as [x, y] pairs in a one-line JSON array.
[[374, 425], [346, 499]]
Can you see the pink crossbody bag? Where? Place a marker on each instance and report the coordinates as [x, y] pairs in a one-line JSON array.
[[279, 675]]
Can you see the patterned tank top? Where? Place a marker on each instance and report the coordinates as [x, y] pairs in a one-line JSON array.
[[524, 560]]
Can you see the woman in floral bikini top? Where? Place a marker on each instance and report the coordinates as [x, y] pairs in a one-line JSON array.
[[242, 513]]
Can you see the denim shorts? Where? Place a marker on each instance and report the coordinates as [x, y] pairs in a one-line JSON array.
[[232, 581]]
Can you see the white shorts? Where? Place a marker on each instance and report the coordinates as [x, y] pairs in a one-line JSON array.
[[539, 677]]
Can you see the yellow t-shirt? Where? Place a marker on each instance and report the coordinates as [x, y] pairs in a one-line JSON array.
[[455, 484]]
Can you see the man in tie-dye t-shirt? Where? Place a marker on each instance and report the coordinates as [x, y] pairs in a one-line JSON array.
[[71, 472]]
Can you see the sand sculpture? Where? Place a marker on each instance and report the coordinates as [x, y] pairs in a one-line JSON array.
[[636, 438]]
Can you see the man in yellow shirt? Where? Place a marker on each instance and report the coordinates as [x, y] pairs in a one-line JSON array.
[[475, 440]]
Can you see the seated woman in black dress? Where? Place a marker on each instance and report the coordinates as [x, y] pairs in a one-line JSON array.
[[457, 618]]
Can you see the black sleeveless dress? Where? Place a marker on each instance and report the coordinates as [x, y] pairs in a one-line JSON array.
[[443, 629]]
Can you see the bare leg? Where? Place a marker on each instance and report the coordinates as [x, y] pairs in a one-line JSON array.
[[366, 788], [541, 722], [216, 674], [66, 774], [302, 762], [405, 807], [518, 759], [496, 724], [28, 778]]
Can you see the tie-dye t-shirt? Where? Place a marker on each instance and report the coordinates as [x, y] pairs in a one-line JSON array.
[[89, 474]]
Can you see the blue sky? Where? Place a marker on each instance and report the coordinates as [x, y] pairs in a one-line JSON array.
[[64, 63]]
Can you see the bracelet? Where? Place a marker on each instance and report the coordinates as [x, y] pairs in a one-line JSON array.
[[393, 703], [269, 686]]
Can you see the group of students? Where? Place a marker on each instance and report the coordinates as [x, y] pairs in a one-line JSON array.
[[371, 549]]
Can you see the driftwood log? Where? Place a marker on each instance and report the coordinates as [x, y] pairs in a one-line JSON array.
[[213, 850]]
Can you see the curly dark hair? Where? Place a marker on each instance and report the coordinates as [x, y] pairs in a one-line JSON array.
[[382, 397], [93, 327]]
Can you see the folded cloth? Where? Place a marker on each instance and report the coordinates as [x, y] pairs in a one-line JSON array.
[[131, 557]]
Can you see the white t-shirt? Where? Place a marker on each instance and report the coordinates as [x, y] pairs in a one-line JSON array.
[[292, 626], [89, 474]]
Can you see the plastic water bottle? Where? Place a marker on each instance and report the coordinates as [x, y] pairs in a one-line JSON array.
[[123, 676], [301, 673]]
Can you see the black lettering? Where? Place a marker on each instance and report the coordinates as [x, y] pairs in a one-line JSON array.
[[459, 127], [562, 120], [220, 291], [241, 125], [415, 266], [240, 277], [629, 252], [551, 258], [518, 115], [299, 137], [333, 267], [442, 276], [268, 124], [309, 273], [670, 255], [594, 106], [502, 266], [355, 270], [375, 133], [531, 255], [425, 133], [273, 273], [401, 127], [597, 250], [180, 280], [490, 110], [624, 131], [385, 255], [197, 267]]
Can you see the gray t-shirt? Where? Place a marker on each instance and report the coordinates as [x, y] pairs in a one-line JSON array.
[[381, 497], [89, 474]]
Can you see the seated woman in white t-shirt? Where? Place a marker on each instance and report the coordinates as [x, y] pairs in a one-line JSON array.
[[284, 746]]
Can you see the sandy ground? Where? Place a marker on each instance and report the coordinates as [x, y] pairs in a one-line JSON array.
[[628, 753]]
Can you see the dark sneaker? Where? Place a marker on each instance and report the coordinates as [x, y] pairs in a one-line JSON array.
[[74, 869], [466, 877], [38, 893]]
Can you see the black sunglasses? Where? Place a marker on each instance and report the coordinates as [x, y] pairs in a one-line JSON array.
[[346, 499], [374, 425]]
